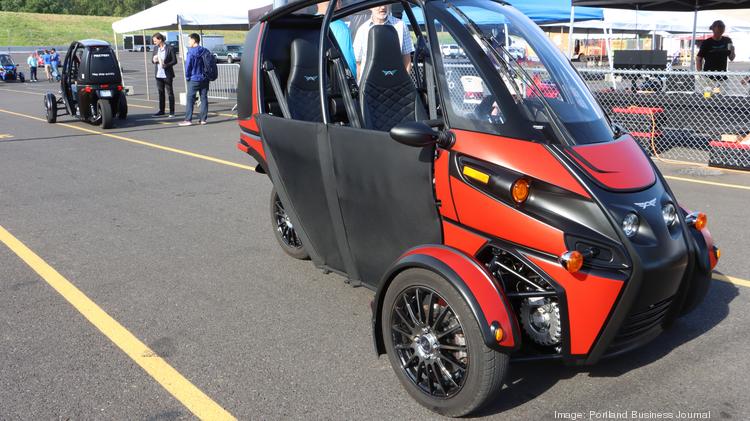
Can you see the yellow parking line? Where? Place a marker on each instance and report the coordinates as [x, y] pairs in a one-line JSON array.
[[731, 280], [175, 383], [710, 183], [139, 142]]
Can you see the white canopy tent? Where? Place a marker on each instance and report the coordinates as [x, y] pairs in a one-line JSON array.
[[181, 14]]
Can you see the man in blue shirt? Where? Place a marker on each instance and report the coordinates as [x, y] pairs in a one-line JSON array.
[[196, 79], [340, 31], [47, 67], [54, 62]]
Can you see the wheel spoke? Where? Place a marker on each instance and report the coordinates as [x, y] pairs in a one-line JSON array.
[[450, 330], [410, 310], [456, 348], [401, 331], [446, 373], [403, 318], [428, 316], [450, 359], [440, 317], [419, 305], [437, 378], [420, 371], [410, 363]]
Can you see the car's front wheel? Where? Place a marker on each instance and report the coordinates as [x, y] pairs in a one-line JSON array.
[[435, 346], [284, 231]]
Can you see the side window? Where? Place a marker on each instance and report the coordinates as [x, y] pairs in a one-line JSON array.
[[468, 94]]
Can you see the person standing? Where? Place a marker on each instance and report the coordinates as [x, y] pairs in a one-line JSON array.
[[164, 60], [714, 51], [46, 58], [196, 79], [54, 63], [32, 62], [381, 15]]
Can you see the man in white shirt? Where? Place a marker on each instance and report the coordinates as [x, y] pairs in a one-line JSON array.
[[381, 15]]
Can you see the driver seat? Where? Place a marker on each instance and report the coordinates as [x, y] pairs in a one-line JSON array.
[[387, 94]]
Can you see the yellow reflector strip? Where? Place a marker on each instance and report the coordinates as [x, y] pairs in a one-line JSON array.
[[476, 175]]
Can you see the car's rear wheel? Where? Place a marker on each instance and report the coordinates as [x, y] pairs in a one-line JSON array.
[[284, 231], [50, 105], [104, 109], [435, 345]]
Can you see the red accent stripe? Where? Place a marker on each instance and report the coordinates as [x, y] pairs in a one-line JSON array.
[[486, 214], [619, 165], [729, 145], [481, 284], [462, 239], [254, 143], [590, 300], [526, 157], [637, 110]]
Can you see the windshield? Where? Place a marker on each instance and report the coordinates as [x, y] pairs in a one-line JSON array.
[[533, 69], [5, 61], [234, 48]]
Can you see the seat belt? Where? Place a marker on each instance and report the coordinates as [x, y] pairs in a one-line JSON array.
[[274, 78], [346, 92], [430, 80]]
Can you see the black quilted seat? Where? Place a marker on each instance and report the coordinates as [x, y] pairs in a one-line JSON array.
[[387, 94], [302, 88]]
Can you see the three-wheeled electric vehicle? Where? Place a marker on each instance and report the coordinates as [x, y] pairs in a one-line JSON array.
[[9, 69], [90, 87], [520, 225]]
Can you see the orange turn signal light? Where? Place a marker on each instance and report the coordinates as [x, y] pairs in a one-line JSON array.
[[717, 252], [498, 331], [520, 190], [572, 261], [699, 220]]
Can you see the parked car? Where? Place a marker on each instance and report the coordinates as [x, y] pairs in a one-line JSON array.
[[90, 87], [530, 229], [228, 52], [9, 69], [452, 51]]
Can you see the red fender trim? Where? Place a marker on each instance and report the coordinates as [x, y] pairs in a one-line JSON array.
[[477, 286], [253, 146]]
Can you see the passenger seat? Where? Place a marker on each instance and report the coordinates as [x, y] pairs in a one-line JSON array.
[[303, 85], [387, 94]]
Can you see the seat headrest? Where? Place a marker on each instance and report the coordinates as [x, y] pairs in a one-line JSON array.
[[303, 73], [384, 58]]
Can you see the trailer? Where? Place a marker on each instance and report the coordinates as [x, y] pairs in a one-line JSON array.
[[136, 43]]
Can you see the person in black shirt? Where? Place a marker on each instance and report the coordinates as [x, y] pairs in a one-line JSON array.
[[714, 51]]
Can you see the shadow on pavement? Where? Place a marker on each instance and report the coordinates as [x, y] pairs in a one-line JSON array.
[[529, 380]]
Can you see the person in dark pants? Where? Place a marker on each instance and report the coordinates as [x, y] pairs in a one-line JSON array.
[[164, 60], [196, 79]]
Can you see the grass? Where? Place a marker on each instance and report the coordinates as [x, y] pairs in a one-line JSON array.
[[38, 29]]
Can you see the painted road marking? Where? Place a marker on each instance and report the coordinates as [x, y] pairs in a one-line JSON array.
[[5, 136], [731, 280], [710, 183], [177, 385], [139, 142]]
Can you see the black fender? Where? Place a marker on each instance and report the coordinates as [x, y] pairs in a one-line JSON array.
[[474, 283], [699, 280]]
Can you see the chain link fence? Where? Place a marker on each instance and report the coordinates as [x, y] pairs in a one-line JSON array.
[[680, 115]]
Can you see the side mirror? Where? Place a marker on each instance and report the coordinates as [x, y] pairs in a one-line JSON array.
[[419, 134]]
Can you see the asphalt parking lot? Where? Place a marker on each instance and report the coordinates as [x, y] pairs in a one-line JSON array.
[[139, 279]]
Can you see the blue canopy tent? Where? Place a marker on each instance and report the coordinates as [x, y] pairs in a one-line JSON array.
[[540, 11]]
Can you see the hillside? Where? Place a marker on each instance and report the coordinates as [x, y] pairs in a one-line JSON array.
[[38, 29]]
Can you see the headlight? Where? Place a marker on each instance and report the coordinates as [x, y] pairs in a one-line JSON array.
[[630, 224], [669, 213]]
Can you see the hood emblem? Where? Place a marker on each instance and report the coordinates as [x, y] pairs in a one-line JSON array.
[[311, 78], [644, 205], [390, 72]]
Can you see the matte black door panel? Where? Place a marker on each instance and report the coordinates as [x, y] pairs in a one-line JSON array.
[[386, 197], [294, 161]]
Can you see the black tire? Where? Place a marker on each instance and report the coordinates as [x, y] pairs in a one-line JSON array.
[[50, 106], [283, 230], [437, 380], [21, 77], [122, 107], [105, 113]]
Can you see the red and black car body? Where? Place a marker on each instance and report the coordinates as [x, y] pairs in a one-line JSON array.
[[558, 233]]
